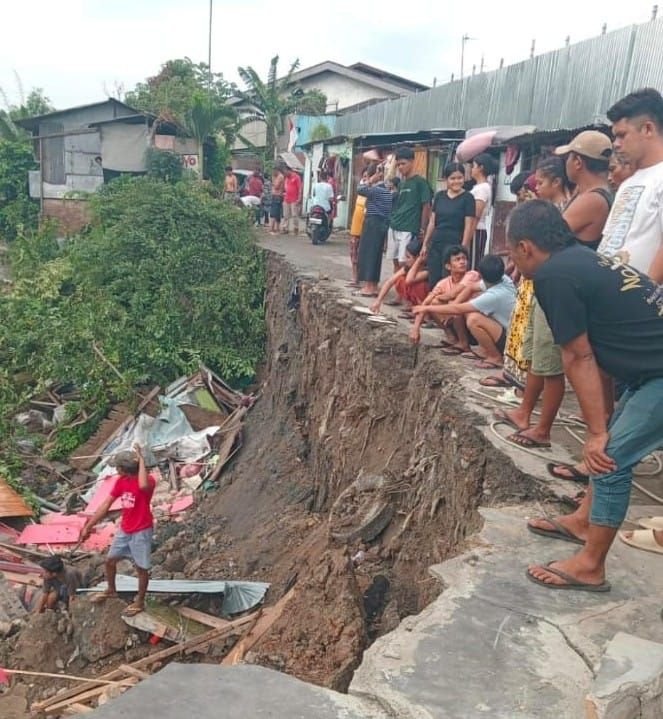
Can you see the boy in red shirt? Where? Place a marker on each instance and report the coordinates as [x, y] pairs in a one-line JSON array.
[[292, 200], [133, 539]]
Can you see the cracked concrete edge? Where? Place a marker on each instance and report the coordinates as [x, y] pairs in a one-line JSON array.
[[394, 654]]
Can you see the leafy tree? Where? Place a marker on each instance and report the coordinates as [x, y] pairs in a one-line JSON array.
[[170, 94], [36, 103], [17, 210], [274, 99], [166, 276]]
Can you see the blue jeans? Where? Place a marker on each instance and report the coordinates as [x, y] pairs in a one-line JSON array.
[[636, 430]]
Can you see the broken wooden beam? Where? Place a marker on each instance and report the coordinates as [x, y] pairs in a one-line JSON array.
[[202, 618]]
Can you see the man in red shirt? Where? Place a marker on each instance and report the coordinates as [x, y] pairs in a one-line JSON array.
[[255, 184], [292, 200], [133, 539]]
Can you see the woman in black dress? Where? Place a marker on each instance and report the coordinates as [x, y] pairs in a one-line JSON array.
[[451, 221]]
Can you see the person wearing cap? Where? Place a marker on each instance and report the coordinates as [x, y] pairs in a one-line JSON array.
[[133, 539], [634, 231], [586, 160], [60, 584]]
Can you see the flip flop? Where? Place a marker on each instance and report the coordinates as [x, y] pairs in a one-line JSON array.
[[393, 303], [486, 364], [451, 351], [576, 476], [444, 343], [642, 539], [471, 355], [559, 532], [501, 416], [519, 440], [572, 502], [571, 582], [494, 381], [363, 294], [651, 523], [133, 609]]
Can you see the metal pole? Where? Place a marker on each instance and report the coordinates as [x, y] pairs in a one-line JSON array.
[[209, 49], [464, 39]]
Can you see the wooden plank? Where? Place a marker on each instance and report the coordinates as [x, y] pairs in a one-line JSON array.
[[150, 659], [202, 618], [81, 697], [87, 455], [30, 580], [133, 672], [258, 631], [232, 427], [146, 622]]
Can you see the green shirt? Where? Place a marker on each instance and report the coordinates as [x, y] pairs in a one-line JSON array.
[[413, 193]]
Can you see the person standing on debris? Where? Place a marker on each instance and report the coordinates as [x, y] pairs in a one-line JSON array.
[[60, 584], [412, 209], [134, 488], [608, 319], [292, 201]]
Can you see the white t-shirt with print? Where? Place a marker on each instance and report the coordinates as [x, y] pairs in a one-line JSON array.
[[634, 228], [483, 192]]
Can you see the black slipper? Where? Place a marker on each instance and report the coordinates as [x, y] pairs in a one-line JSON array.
[[576, 476], [571, 582], [559, 532]]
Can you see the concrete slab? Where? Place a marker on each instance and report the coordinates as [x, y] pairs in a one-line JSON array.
[[207, 691], [494, 644]]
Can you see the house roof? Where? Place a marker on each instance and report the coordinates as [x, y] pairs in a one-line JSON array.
[[362, 73], [385, 75], [32, 123]]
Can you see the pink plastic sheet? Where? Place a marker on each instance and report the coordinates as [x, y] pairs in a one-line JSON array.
[[49, 534]]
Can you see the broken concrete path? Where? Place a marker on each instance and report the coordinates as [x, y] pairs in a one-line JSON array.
[[494, 644], [206, 691]]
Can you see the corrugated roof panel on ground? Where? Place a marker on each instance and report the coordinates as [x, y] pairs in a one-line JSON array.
[[11, 502]]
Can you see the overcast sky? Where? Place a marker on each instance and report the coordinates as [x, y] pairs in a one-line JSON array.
[[76, 50]]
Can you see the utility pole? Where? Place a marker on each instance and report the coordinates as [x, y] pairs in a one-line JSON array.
[[464, 39], [209, 51], [654, 12]]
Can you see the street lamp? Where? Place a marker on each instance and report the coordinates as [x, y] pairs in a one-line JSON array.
[[464, 39]]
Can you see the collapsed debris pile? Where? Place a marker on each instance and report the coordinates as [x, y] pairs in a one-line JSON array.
[[189, 434]]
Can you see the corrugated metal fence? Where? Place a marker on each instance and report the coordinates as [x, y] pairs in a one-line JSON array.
[[567, 88]]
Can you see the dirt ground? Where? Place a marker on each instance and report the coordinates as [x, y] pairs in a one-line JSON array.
[[361, 467]]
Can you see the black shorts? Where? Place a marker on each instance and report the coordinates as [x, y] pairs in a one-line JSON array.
[[501, 341], [276, 209]]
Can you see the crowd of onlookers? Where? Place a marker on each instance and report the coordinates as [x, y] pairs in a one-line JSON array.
[[578, 297]]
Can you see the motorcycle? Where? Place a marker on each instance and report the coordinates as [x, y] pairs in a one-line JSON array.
[[318, 225]]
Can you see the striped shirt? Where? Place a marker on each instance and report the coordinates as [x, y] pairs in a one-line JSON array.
[[379, 199]]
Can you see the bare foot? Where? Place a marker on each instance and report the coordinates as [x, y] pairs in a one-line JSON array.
[[535, 435], [516, 417], [576, 567], [570, 522]]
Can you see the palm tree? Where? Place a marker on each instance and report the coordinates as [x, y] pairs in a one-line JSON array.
[[274, 100], [206, 117]]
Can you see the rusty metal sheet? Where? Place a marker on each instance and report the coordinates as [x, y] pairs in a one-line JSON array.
[[11, 502]]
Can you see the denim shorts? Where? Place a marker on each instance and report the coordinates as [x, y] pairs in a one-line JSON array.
[[136, 546], [636, 430]]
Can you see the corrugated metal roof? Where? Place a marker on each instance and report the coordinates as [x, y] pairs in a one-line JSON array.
[[568, 88], [11, 502]]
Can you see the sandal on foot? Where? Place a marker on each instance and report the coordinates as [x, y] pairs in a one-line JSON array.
[[642, 539], [451, 351], [133, 609], [494, 381], [500, 415], [364, 294], [393, 303], [570, 582], [576, 475], [520, 440], [471, 355], [559, 532]]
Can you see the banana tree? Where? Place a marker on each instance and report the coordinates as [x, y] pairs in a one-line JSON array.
[[272, 101]]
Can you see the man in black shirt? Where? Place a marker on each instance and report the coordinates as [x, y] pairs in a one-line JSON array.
[[608, 319]]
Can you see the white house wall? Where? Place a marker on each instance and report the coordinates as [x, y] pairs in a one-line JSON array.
[[341, 91]]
